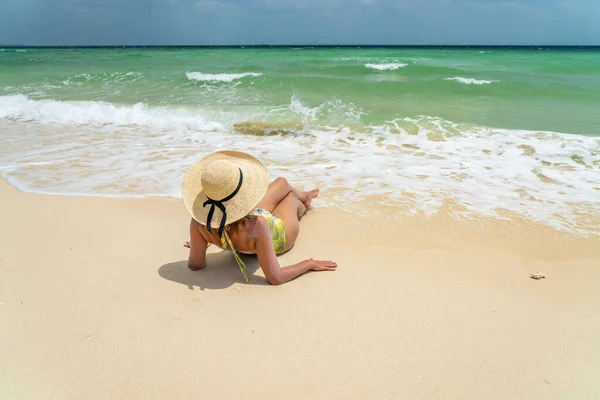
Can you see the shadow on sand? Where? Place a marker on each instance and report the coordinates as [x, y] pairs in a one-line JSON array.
[[221, 272]]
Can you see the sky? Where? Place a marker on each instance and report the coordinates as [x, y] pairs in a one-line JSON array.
[[236, 22]]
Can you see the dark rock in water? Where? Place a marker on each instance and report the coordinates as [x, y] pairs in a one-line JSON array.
[[263, 128]]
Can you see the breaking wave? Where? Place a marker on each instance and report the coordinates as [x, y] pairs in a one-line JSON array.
[[417, 164], [202, 77], [386, 67], [469, 81]]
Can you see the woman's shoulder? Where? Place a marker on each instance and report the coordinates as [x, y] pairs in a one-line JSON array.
[[253, 227], [251, 230]]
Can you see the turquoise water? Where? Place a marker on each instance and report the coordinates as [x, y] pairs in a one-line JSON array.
[[491, 129], [534, 90]]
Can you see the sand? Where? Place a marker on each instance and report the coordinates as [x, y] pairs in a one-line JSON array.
[[96, 302]]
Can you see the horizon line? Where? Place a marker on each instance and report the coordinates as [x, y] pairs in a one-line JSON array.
[[305, 46]]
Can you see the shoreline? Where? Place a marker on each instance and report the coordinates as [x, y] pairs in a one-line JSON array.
[[443, 230], [96, 299], [402, 173]]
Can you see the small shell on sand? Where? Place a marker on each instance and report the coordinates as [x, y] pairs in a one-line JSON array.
[[537, 276]]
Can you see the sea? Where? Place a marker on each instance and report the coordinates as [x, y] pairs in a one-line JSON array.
[[494, 132]]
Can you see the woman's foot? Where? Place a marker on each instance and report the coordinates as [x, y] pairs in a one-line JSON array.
[[309, 196]]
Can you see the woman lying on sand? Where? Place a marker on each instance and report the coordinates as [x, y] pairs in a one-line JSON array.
[[233, 207]]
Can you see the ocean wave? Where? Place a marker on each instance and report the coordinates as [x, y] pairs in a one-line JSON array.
[[104, 78], [414, 164], [20, 107], [98, 113], [202, 77], [362, 59], [330, 112], [469, 81], [386, 67]]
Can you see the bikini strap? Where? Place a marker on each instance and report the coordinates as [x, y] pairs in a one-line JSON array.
[[236, 256]]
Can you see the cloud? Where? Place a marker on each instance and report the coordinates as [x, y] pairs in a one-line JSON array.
[[302, 5], [213, 6], [312, 4], [495, 6], [416, 5]]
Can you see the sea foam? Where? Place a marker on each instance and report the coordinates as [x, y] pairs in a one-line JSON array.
[[386, 67], [469, 81], [202, 77], [415, 164], [99, 113], [104, 78]]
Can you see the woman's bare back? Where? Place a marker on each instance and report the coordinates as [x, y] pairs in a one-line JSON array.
[[243, 237]]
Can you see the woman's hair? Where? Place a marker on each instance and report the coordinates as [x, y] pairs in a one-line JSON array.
[[234, 226]]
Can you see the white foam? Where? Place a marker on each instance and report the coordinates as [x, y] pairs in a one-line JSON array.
[[386, 67], [469, 81], [361, 59], [330, 112], [202, 77], [413, 163], [98, 113], [104, 78]]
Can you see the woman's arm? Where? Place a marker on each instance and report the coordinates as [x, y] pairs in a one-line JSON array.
[[267, 259], [198, 246]]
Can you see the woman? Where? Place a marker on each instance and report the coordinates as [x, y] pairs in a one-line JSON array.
[[233, 207]]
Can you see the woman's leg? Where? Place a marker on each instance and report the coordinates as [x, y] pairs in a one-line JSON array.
[[278, 191], [289, 210]]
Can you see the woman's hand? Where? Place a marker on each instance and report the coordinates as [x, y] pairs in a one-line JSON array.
[[317, 265], [187, 244]]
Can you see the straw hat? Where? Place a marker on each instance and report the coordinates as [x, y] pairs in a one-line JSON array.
[[224, 187]]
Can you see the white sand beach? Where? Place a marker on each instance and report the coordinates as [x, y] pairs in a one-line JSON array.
[[96, 302]]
